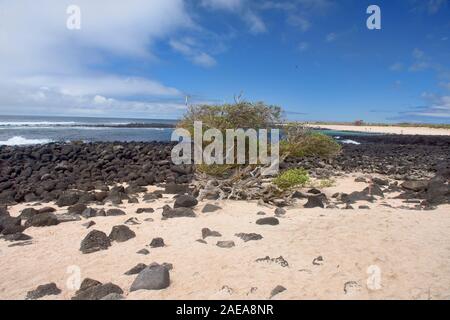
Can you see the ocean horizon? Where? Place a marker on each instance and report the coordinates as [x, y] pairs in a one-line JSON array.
[[29, 130]]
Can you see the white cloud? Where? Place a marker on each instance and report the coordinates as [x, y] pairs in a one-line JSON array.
[[189, 49], [48, 63], [331, 37], [418, 54], [438, 106], [445, 85], [421, 61], [398, 66], [303, 46], [255, 23], [435, 5], [204, 59], [230, 5], [299, 21]]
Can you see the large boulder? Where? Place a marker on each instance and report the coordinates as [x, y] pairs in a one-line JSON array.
[[67, 199], [121, 233], [89, 213], [42, 220], [12, 229], [154, 277], [77, 209], [185, 201], [95, 241], [438, 192], [168, 212], [4, 210], [27, 213], [415, 185], [172, 188]]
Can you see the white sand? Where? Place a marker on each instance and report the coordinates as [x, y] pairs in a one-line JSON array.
[[389, 130], [410, 248]]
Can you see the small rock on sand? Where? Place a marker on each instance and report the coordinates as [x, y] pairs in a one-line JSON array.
[[249, 236], [225, 244], [42, 291], [318, 261], [268, 221], [145, 210], [143, 251], [315, 201], [132, 221], [95, 290], [115, 212], [88, 224], [280, 211], [208, 208], [157, 243], [278, 289], [209, 233], [136, 269]]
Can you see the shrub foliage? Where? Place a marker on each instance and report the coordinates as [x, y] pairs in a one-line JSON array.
[[291, 178]]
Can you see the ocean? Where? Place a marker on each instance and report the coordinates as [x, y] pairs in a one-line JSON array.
[[27, 130], [23, 130]]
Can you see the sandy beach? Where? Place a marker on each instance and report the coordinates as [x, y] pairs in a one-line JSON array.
[[330, 253], [387, 129]]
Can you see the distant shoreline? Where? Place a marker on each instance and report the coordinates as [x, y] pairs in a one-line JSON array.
[[401, 130]]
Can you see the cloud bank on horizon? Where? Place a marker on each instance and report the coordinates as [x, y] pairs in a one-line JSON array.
[[141, 58]]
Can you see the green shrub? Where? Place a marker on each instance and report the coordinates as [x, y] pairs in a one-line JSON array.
[[291, 178], [232, 116], [310, 144], [240, 115]]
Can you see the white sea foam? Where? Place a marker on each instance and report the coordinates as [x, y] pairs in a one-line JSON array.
[[34, 123], [21, 141], [348, 141]]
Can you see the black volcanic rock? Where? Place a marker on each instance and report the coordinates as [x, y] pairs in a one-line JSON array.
[[185, 201], [121, 234], [94, 290], [95, 241], [268, 221], [316, 201], [168, 212], [42, 220], [42, 291]]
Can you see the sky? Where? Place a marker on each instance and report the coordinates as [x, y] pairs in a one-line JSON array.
[[144, 58]]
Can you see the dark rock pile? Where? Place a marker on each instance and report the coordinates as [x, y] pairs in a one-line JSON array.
[[54, 171], [403, 157], [45, 172]]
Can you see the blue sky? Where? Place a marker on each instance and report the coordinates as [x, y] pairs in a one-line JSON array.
[[315, 58]]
